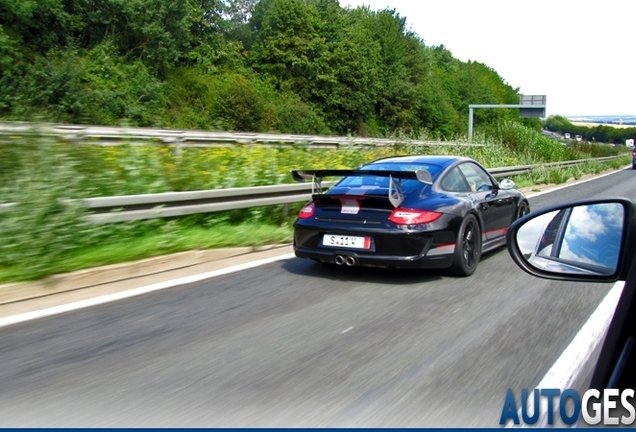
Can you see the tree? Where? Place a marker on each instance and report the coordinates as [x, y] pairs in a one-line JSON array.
[[238, 14], [345, 86], [155, 31], [288, 44], [557, 123]]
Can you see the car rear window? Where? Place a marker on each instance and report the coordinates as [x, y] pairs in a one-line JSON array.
[[380, 184], [397, 166]]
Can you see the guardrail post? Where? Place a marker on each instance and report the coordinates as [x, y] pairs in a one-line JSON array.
[[471, 111], [178, 147]]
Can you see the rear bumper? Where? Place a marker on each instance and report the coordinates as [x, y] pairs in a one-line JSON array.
[[415, 261], [389, 247]]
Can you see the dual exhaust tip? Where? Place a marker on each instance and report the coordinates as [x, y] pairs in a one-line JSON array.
[[346, 260]]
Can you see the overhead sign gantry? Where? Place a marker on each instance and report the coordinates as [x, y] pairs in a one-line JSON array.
[[530, 106]]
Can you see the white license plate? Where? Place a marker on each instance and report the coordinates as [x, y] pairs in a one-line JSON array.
[[334, 240]]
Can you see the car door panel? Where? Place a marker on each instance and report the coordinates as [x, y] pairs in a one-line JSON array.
[[495, 205]]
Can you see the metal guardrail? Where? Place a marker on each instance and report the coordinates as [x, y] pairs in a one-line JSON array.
[[524, 169], [171, 204], [102, 135]]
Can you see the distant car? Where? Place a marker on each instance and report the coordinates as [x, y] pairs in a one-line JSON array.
[[634, 159], [407, 212]]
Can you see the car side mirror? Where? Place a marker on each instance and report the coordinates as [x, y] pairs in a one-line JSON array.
[[506, 184], [583, 241]]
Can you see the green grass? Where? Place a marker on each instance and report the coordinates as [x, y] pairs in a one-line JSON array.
[[177, 239]]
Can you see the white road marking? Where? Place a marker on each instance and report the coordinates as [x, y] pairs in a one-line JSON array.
[[567, 368], [15, 319], [349, 329], [569, 365], [572, 360]]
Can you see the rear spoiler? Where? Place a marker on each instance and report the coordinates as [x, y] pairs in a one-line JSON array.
[[395, 189]]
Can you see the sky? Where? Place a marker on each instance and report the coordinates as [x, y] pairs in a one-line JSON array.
[[581, 54]]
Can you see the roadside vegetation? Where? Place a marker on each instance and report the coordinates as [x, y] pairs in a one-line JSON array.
[[45, 233]]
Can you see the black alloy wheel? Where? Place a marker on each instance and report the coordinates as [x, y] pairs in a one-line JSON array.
[[467, 248]]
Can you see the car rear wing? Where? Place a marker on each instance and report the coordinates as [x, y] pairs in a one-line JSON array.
[[396, 196]]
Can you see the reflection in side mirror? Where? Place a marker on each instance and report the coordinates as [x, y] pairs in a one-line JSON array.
[[506, 184], [581, 240]]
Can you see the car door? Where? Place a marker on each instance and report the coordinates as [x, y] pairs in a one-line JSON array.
[[496, 205]]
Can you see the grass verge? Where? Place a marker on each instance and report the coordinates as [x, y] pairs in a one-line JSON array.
[[175, 239], [543, 175]]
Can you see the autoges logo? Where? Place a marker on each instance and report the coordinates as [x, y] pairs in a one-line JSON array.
[[606, 407]]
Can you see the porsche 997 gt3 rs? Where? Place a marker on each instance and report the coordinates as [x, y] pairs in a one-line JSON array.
[[407, 212]]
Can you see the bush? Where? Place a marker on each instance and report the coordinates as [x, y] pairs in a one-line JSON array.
[[72, 86]]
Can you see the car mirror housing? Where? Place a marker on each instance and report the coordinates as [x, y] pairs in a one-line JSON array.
[[580, 241], [506, 184]]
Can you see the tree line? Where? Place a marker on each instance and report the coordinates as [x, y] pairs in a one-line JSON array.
[[289, 66], [598, 133]]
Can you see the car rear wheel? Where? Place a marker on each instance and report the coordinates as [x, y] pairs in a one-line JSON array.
[[467, 247]]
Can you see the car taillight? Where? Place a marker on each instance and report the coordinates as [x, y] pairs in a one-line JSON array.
[[402, 216], [307, 211]]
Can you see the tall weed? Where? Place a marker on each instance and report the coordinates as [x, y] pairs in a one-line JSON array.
[[43, 226]]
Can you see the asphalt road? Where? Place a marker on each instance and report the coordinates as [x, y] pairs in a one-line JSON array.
[[295, 343]]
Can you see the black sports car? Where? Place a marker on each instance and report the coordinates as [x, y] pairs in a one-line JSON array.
[[407, 212]]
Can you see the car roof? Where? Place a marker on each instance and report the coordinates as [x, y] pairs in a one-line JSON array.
[[440, 160]]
